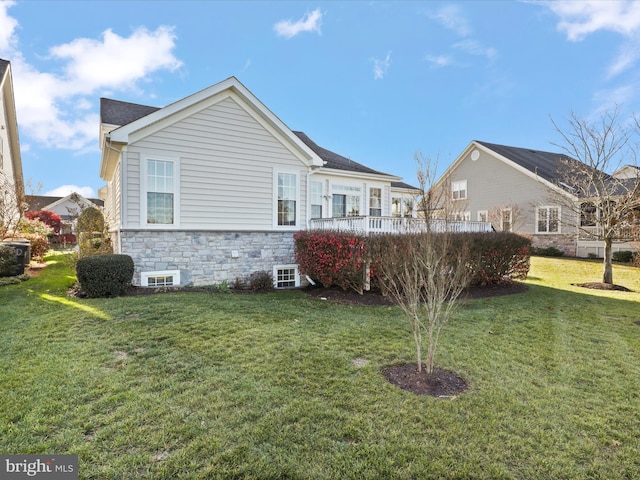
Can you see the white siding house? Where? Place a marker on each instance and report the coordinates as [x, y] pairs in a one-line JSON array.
[[213, 187]]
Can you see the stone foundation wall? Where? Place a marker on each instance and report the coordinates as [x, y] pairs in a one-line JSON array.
[[566, 243], [207, 257]]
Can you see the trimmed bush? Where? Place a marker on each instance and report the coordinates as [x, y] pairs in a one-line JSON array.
[[8, 260], [548, 252], [261, 281], [105, 275], [624, 256], [331, 258], [502, 256]]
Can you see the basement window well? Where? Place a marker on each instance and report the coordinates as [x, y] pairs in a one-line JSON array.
[[164, 278]]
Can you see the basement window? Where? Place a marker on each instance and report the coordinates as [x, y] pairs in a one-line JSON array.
[[286, 276], [164, 278]]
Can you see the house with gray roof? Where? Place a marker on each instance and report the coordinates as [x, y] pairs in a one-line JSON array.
[[527, 191], [213, 187]]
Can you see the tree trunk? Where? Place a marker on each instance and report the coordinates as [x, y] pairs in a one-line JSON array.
[[607, 275]]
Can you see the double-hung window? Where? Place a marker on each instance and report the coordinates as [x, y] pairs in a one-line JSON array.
[[161, 191], [375, 202], [287, 200], [507, 220], [316, 199], [548, 220], [459, 190]]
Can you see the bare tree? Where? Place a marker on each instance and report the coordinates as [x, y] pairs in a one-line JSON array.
[[424, 273], [601, 206], [12, 206], [507, 217]]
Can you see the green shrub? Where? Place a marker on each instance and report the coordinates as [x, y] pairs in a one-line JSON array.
[[501, 256], [548, 252], [261, 281], [8, 259], [38, 234], [105, 275], [624, 256], [92, 235], [14, 280], [592, 256]]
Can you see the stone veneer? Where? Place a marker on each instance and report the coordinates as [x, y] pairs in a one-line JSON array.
[[207, 257], [566, 243]]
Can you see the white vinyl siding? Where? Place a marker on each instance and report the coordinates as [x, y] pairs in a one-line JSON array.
[[227, 159]]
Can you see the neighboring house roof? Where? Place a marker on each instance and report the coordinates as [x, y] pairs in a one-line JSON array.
[[42, 202], [547, 165]]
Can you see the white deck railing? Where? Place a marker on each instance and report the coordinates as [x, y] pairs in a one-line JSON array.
[[625, 233], [367, 225]]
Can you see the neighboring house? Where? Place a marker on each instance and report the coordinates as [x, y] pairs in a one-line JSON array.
[[11, 181], [213, 187], [518, 189], [68, 208]]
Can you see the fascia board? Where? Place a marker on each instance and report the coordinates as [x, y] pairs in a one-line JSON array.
[[110, 155], [209, 96], [12, 125], [334, 172]]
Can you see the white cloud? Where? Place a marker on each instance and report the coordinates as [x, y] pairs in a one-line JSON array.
[[55, 109], [473, 47], [7, 27], [452, 18], [380, 67], [579, 19], [64, 190], [439, 60], [309, 23]]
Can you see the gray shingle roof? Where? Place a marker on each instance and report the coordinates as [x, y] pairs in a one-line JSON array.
[[38, 202], [115, 112], [547, 165], [3, 66], [333, 160]]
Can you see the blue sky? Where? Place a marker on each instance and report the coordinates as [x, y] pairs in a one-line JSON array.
[[374, 81]]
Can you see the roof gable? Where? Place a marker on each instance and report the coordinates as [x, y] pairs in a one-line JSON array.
[[151, 119], [547, 165]]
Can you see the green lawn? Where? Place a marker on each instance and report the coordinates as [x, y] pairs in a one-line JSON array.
[[214, 385]]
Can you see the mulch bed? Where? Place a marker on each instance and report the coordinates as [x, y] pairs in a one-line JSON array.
[[602, 286], [441, 382]]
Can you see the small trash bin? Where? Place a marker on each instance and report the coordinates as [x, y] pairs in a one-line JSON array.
[[23, 251]]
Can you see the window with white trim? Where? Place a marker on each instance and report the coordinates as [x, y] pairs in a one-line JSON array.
[[483, 216], [316, 199], [548, 220], [161, 278], [507, 220], [375, 202], [461, 216], [160, 195], [459, 189], [287, 199], [286, 276]]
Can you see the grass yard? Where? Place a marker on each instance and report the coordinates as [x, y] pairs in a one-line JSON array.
[[213, 385]]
